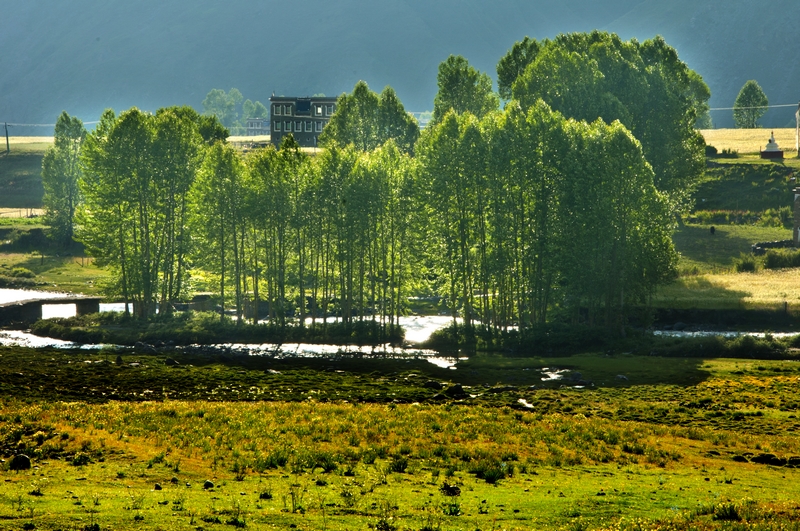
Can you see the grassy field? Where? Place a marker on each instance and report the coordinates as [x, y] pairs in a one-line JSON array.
[[676, 445], [69, 274], [751, 140], [20, 175], [703, 252]]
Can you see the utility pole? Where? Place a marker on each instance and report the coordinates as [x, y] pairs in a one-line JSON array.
[[797, 131], [8, 147]]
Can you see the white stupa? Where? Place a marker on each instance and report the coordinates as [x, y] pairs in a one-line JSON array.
[[772, 151]]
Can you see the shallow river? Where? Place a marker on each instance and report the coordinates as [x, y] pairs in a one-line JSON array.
[[417, 330]]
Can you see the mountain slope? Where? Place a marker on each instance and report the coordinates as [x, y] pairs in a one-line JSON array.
[[86, 55], [728, 42]]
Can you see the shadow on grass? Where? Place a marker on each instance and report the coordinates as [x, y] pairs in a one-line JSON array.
[[697, 292], [586, 370], [720, 249]]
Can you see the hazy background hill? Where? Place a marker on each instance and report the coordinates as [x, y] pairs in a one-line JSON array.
[[86, 55]]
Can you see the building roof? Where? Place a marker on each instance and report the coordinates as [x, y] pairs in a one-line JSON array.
[[319, 99]]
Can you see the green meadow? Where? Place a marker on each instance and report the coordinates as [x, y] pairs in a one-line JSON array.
[[354, 444]]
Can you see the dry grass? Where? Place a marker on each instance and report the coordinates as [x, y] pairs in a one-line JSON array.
[[20, 212], [30, 140], [765, 289], [750, 140]]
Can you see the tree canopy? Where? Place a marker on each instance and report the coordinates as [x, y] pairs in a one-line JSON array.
[[494, 211], [367, 120], [139, 169], [514, 63], [645, 86], [61, 171], [750, 105], [231, 109], [462, 88]]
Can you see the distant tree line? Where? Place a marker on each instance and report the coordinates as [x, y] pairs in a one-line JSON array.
[[232, 110], [561, 205]]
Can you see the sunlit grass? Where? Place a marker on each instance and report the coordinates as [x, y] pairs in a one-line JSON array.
[[571, 458], [751, 140], [72, 274], [765, 289]]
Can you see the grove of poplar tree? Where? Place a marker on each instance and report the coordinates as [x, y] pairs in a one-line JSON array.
[[559, 206]]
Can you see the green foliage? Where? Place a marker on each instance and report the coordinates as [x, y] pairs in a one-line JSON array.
[[135, 215], [21, 272], [368, 120], [514, 196], [699, 93], [745, 187], [513, 64], [216, 198], [462, 89], [750, 105], [644, 85], [745, 264], [781, 259], [61, 172], [223, 106], [254, 110], [743, 346], [778, 217]]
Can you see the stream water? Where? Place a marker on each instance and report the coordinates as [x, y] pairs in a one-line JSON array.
[[417, 330]]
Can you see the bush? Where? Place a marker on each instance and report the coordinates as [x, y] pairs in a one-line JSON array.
[[398, 464], [781, 259], [744, 346], [726, 512], [491, 470], [21, 272], [771, 217], [711, 151], [745, 264]]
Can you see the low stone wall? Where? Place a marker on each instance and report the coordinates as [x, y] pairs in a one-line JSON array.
[[760, 248]]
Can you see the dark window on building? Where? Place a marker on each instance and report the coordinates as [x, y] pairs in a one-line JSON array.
[[303, 107]]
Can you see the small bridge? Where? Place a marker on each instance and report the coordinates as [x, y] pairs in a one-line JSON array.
[[30, 311]]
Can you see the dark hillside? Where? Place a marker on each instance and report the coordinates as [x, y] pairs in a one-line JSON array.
[[21, 177], [86, 55], [728, 42]]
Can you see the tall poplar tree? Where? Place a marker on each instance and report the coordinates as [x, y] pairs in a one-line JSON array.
[[61, 172]]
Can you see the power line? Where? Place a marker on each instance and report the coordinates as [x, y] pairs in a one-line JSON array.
[[45, 125], [757, 107]]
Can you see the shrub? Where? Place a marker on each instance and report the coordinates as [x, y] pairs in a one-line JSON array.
[[745, 264], [21, 272], [276, 459], [711, 151], [777, 217], [398, 464], [491, 470], [726, 512], [781, 259]]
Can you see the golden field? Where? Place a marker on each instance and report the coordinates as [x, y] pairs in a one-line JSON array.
[[750, 140]]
